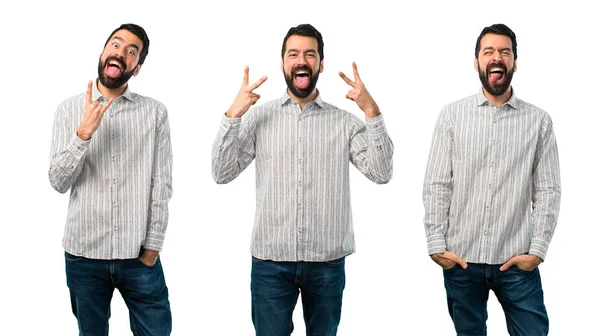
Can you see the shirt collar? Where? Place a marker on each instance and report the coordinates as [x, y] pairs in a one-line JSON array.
[[512, 102], [286, 99], [96, 93]]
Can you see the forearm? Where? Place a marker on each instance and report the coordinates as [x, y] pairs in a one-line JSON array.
[[67, 163], [372, 151], [229, 159]]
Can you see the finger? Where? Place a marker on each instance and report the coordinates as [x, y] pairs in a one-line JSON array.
[[245, 80], [462, 263], [350, 97], [258, 83], [110, 101], [88, 93], [347, 80], [507, 265], [356, 76]]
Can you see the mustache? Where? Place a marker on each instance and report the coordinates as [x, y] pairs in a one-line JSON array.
[[496, 65], [302, 67], [116, 59]]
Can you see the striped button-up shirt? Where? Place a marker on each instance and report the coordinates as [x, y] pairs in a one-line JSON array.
[[488, 168], [302, 174], [120, 179]]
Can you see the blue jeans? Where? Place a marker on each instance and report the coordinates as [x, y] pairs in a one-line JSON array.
[[275, 287], [92, 282], [518, 291]]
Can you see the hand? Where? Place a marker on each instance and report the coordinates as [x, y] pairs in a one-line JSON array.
[[448, 259], [360, 95], [245, 97], [149, 257], [92, 115], [526, 262]]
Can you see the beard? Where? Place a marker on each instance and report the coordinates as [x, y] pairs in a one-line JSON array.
[[117, 82], [495, 89], [312, 81]]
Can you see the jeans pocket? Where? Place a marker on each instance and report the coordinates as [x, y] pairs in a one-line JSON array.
[[452, 269], [72, 258], [148, 266], [336, 262], [516, 268]]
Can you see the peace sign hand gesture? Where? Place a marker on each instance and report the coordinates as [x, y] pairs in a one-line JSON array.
[[245, 97], [360, 95]]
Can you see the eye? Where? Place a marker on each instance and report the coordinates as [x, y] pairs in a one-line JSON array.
[[487, 53], [292, 55], [131, 52], [115, 45], [506, 53], [311, 55]]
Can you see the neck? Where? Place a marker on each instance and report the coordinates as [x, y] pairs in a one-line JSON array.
[[303, 101], [111, 93], [498, 100]]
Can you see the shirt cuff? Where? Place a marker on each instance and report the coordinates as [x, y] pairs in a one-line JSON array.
[[230, 126], [436, 244], [539, 248], [154, 241], [376, 126], [78, 147]]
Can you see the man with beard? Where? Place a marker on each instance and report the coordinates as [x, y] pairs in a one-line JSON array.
[[112, 148], [493, 159], [302, 145]]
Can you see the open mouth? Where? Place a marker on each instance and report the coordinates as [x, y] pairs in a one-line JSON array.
[[113, 68], [301, 79], [496, 74]]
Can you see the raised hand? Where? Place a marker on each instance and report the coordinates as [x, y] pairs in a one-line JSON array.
[[93, 112], [448, 259], [245, 97], [360, 95]]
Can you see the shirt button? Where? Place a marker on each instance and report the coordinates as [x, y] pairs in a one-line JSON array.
[[490, 186]]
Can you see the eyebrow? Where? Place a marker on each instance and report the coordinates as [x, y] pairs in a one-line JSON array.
[[501, 50], [130, 45], [305, 51]]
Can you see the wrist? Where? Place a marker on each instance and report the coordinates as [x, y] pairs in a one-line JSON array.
[[84, 135], [372, 113]]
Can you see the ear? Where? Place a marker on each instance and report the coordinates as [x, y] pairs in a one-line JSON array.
[[281, 64], [137, 69], [321, 66], [515, 66], [476, 65]]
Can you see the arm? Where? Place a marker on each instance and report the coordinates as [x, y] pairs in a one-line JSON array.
[[546, 190], [67, 154], [161, 186], [545, 198], [437, 188], [371, 149], [68, 150], [233, 149]]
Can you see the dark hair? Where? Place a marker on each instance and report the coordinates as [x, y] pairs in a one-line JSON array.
[[137, 31], [498, 29], [305, 30]]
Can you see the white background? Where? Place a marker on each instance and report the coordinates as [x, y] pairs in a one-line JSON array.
[[413, 59]]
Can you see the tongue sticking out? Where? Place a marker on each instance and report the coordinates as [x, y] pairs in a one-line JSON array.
[[301, 82], [496, 77], [113, 71]]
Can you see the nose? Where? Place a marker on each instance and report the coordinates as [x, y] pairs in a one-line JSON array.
[[301, 59], [497, 57]]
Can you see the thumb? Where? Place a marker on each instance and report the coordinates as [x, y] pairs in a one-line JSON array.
[[507, 265]]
